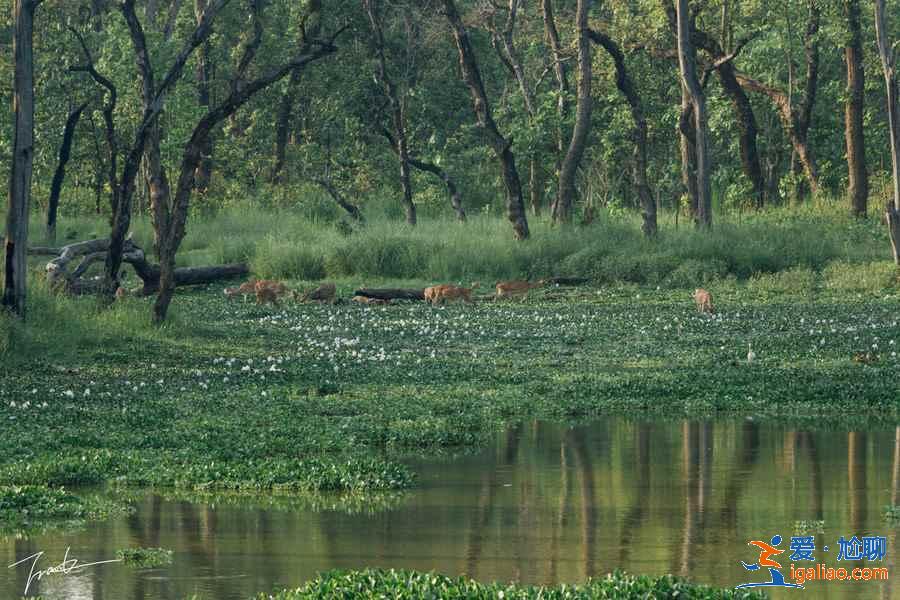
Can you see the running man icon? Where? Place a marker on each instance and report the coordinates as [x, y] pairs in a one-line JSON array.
[[767, 551]]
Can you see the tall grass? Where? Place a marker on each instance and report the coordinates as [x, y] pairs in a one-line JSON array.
[[305, 244]]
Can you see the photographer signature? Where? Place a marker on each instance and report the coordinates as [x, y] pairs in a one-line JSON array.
[[68, 565]]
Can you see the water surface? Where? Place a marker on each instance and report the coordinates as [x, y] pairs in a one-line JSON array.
[[545, 503]]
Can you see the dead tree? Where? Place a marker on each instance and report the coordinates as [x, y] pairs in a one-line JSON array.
[[888, 55], [76, 282], [14, 286], [396, 103], [691, 83], [65, 152], [566, 193], [639, 168], [515, 209]]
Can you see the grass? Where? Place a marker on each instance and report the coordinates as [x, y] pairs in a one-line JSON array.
[[310, 245], [377, 583]]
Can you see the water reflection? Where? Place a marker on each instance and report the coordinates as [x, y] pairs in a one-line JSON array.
[[546, 503]]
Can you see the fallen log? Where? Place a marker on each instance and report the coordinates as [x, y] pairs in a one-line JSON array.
[[391, 293], [567, 281], [94, 251]]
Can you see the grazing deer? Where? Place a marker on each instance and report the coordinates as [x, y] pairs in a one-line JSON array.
[[266, 294], [323, 293], [510, 289], [438, 293], [247, 288], [703, 300]]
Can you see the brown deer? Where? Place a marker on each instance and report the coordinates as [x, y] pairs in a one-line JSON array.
[[703, 300], [517, 288], [248, 288], [438, 293]]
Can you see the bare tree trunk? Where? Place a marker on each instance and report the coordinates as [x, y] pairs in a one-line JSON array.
[[888, 56], [14, 290], [515, 208], [687, 131], [858, 188], [535, 186], [396, 104], [639, 168], [698, 103], [566, 192], [65, 151]]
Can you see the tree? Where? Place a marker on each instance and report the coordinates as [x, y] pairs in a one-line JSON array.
[[858, 188], [888, 55], [397, 104], [515, 209], [688, 69], [14, 289], [639, 168], [562, 82], [65, 152], [566, 193], [171, 212]]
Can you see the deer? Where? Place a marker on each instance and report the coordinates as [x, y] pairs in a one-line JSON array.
[[703, 300], [516, 288], [323, 293], [438, 293], [247, 288]]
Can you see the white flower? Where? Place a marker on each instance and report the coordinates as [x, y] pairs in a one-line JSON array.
[[69, 394]]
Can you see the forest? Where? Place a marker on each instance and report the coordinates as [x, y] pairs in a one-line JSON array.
[[349, 266]]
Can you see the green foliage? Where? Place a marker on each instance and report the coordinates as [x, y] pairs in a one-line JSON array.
[[144, 558], [32, 508], [378, 583]]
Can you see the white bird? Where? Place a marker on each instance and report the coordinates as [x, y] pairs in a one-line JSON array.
[[751, 355]]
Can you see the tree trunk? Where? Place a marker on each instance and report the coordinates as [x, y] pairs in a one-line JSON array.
[[427, 167], [351, 209], [391, 294], [283, 126], [639, 168], [204, 169], [122, 214], [396, 104], [65, 151], [566, 193], [698, 103], [535, 186], [562, 83], [858, 188], [721, 54], [515, 207], [14, 290], [888, 63], [687, 131]]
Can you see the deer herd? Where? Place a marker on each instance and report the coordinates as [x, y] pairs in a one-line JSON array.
[[270, 291]]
